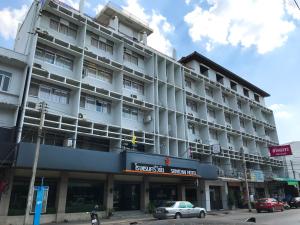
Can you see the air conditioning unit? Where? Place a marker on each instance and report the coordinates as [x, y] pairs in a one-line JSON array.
[[147, 119], [81, 116], [198, 140], [230, 147], [190, 114], [228, 126], [45, 32], [133, 96]]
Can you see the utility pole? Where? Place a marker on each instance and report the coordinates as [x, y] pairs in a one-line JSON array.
[[34, 167], [246, 179], [292, 165]]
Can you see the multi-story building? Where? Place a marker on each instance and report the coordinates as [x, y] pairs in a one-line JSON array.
[[127, 126]]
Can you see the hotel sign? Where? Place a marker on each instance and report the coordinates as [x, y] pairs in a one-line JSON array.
[[158, 169], [280, 150]]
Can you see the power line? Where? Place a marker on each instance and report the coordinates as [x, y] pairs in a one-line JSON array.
[[297, 4]]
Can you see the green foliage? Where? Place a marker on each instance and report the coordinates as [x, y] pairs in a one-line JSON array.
[[230, 199], [151, 208]]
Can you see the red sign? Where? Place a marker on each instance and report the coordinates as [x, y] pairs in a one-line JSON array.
[[280, 150], [167, 161]]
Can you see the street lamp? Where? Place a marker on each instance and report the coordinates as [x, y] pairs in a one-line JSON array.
[[246, 179]]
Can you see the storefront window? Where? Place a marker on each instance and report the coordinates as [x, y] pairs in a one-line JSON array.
[[160, 193], [84, 195], [19, 194], [126, 196]]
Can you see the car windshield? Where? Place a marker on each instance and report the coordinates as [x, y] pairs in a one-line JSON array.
[[263, 200], [168, 204]]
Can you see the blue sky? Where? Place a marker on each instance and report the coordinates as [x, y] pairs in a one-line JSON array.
[[256, 39]]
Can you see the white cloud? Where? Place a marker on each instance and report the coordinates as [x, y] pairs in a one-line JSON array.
[[10, 19], [247, 23], [187, 2], [160, 25], [287, 120], [73, 3], [98, 8]]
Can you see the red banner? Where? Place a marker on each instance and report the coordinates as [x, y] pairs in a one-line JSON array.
[[280, 150]]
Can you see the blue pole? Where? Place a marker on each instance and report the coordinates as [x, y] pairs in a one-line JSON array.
[[38, 205]]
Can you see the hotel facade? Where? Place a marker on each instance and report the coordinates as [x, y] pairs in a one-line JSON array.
[[126, 126]]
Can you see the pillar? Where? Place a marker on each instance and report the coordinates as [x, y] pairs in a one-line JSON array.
[[224, 192], [205, 195], [181, 192], [145, 194], [5, 197], [61, 197], [109, 192], [198, 193]]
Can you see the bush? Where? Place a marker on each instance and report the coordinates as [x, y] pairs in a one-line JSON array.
[[151, 208]]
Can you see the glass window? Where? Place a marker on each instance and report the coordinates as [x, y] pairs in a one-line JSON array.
[[72, 33], [228, 118], [45, 93], [211, 113], [39, 54], [191, 128], [94, 42], [4, 80], [182, 205], [239, 103], [49, 57], [189, 205], [90, 103], [188, 83], [242, 123], [209, 92], [63, 29], [126, 113], [54, 24], [213, 134], [245, 143], [134, 114], [82, 102], [34, 89], [64, 62], [229, 139], [82, 196]]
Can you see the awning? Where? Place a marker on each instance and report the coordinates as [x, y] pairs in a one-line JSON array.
[[289, 181], [230, 179]]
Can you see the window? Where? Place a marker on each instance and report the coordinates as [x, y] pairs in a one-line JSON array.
[[133, 85], [5, 78], [188, 83], [211, 113], [130, 112], [95, 104], [54, 57], [254, 127], [189, 205], [229, 139], [98, 72], [227, 118], [182, 205], [225, 98], [191, 128], [242, 123], [233, 85], [204, 70], [65, 27], [213, 134], [49, 93], [102, 43], [245, 142], [256, 97], [209, 91], [239, 104], [220, 79], [246, 92], [131, 56], [192, 105]]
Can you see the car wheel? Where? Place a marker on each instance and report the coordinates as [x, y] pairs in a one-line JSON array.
[[202, 214], [258, 211], [282, 208], [177, 216], [272, 209]]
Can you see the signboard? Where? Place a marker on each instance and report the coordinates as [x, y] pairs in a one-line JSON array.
[[37, 190], [280, 150], [216, 149], [257, 176], [158, 169]]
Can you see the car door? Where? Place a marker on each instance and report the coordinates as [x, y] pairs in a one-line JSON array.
[[182, 209], [192, 212]]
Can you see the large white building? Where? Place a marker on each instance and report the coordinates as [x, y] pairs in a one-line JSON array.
[[104, 86], [293, 161]]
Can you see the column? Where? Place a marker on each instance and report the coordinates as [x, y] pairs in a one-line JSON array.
[[5, 197], [109, 193], [145, 194], [205, 195], [61, 196], [181, 192], [224, 192], [198, 193]]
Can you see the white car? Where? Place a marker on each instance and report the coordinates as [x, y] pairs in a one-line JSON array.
[[178, 209]]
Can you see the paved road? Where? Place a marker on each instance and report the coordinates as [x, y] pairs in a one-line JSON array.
[[288, 217]]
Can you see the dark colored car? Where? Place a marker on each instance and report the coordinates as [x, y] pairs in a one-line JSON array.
[[295, 202], [269, 204]]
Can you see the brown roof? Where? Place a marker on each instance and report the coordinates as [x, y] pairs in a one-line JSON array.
[[218, 68]]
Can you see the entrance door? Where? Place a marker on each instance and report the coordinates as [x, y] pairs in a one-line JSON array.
[[215, 198], [191, 195], [159, 193], [126, 196]]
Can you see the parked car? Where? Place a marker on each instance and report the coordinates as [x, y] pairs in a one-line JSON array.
[[178, 209], [269, 204], [295, 202]]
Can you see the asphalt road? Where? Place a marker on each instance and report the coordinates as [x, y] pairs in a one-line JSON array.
[[288, 217]]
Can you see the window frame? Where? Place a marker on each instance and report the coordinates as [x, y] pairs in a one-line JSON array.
[[5, 77]]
